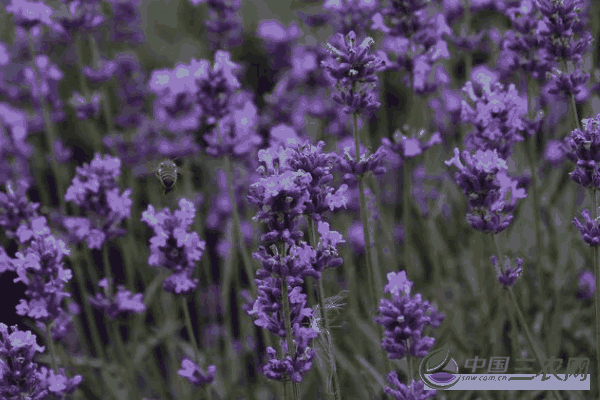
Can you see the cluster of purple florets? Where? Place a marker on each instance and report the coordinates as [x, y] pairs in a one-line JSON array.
[[293, 183]]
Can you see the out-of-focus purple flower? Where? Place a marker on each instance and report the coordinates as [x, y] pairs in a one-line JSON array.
[[43, 81], [496, 117], [278, 41], [399, 391], [584, 149], [346, 16], [356, 237], [79, 17], [404, 319], [40, 267], [485, 183], [354, 70], [15, 209], [235, 134], [86, 108], [58, 383], [563, 29], [353, 169], [224, 24], [570, 83], [19, 374], [121, 303], [589, 229], [126, 22], [507, 275], [587, 284], [195, 375], [410, 147], [175, 105], [94, 189], [63, 153], [554, 152], [173, 247], [102, 72], [132, 90], [29, 14]]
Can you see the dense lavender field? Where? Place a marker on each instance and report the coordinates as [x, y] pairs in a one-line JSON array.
[[296, 200]]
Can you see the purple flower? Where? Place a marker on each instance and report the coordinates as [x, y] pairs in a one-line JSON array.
[[119, 304], [79, 17], [102, 72], [584, 148], [126, 22], [173, 247], [350, 15], [485, 183], [496, 117], [407, 147], [507, 275], [15, 209], [404, 318], [194, 374], [216, 86], [590, 230], [278, 41], [236, 132], [18, 372], [175, 104], [368, 162], [94, 189], [63, 153], [43, 80], [29, 14], [563, 29], [86, 108], [224, 24], [554, 152], [587, 285], [570, 83], [416, 391], [353, 68]]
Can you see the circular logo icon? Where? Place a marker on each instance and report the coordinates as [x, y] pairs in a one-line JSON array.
[[438, 370]]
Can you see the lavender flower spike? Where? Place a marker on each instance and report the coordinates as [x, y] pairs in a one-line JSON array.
[[404, 319], [353, 68]]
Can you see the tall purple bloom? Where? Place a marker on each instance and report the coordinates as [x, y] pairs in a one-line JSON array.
[[508, 275], [282, 195], [485, 183], [354, 69], [584, 148], [173, 247], [15, 209], [404, 318], [94, 189], [20, 375], [399, 391], [496, 116], [118, 304], [224, 24]]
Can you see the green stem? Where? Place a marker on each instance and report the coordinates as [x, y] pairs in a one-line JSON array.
[[533, 158], [91, 127], [409, 362], [539, 354], [321, 297], [287, 320], [88, 308], [50, 134], [188, 326], [52, 349], [104, 90], [364, 218], [595, 258], [126, 358], [406, 217], [238, 229]]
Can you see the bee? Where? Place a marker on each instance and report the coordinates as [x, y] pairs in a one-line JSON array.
[[167, 173]]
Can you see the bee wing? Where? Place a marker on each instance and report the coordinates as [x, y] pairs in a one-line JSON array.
[[145, 168]]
